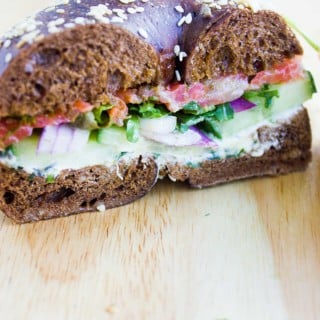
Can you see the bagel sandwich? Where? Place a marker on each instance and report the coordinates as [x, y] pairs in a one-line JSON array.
[[100, 99]]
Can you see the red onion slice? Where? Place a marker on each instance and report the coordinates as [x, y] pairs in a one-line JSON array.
[[79, 139], [241, 104], [205, 140], [47, 139], [62, 139]]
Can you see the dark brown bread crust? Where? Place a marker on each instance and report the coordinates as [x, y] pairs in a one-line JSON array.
[[234, 41], [51, 75], [292, 155], [26, 200], [89, 59]]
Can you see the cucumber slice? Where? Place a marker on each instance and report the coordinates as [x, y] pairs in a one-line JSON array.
[[26, 147], [291, 95], [115, 137]]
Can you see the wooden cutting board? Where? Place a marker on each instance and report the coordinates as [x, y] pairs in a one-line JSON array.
[[248, 250]]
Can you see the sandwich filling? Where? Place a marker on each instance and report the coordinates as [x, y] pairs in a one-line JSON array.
[[178, 123]]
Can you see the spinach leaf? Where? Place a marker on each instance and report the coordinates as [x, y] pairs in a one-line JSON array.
[[263, 96], [148, 110]]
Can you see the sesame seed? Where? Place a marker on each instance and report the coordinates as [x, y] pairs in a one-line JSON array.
[[53, 29], [99, 12], [101, 208], [116, 10], [178, 75], [122, 15], [30, 36], [8, 57], [60, 11], [49, 9], [30, 28], [188, 18], [59, 21], [144, 1], [126, 1], [7, 43], [21, 43], [176, 50], [179, 9], [117, 20], [39, 37], [143, 33], [206, 11], [182, 55], [181, 21], [139, 9], [69, 25], [80, 20], [131, 10]]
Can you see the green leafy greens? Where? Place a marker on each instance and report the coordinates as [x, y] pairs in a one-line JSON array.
[[132, 129], [148, 110], [263, 96]]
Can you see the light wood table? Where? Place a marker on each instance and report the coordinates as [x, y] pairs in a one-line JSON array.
[[244, 251]]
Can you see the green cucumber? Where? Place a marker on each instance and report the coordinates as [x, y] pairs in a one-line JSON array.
[[115, 138], [291, 94]]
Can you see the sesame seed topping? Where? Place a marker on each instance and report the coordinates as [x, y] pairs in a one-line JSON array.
[[59, 21], [182, 55], [30, 37], [80, 20], [7, 43], [53, 25], [139, 9], [179, 9], [101, 208], [60, 11], [121, 14], [181, 21], [20, 44], [28, 25], [49, 9], [143, 33], [205, 11], [69, 25], [126, 1], [100, 12], [8, 57], [178, 75], [188, 18], [176, 50], [131, 10], [116, 10], [117, 20]]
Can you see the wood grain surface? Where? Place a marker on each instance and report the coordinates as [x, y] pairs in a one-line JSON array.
[[248, 250]]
